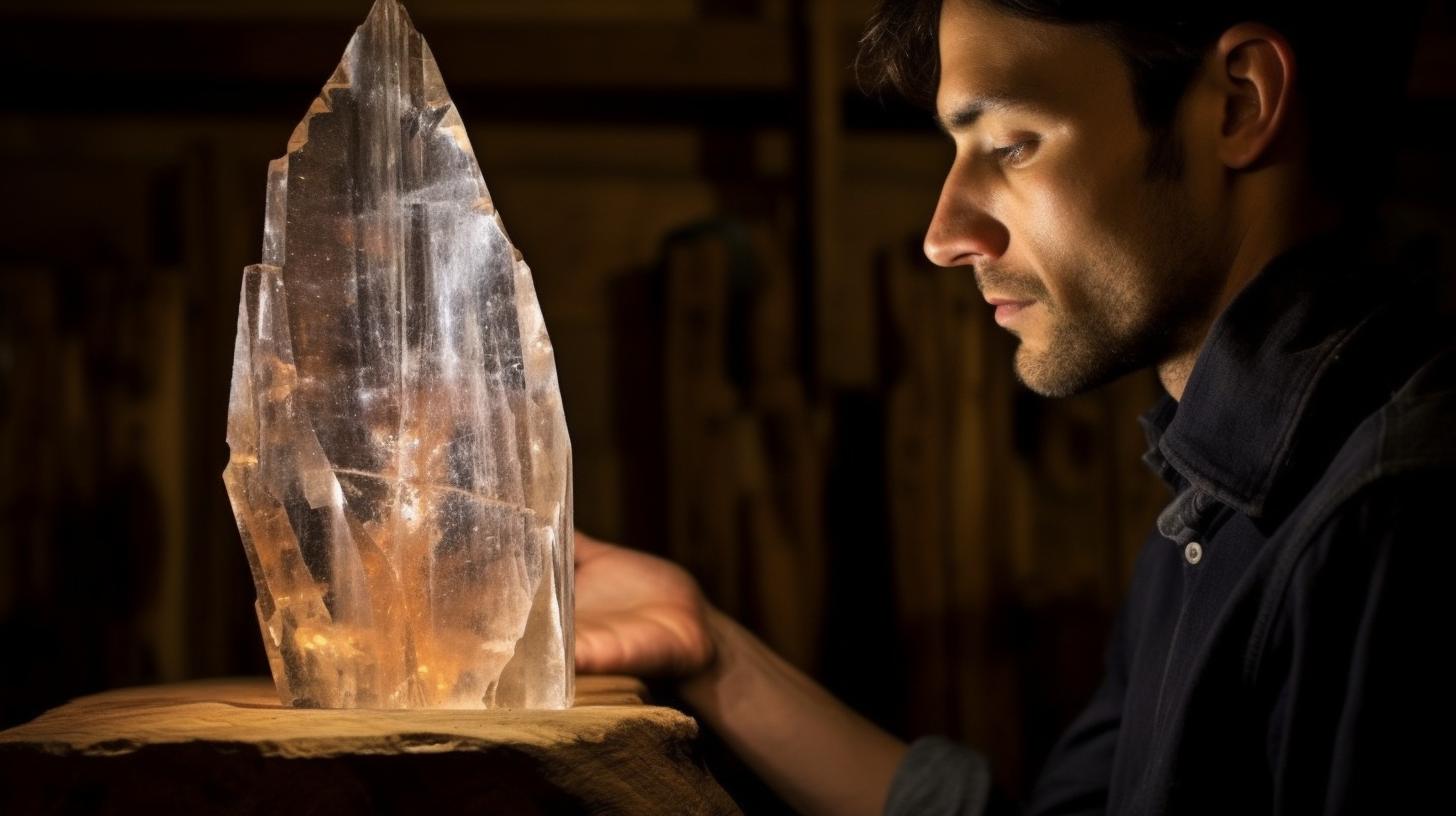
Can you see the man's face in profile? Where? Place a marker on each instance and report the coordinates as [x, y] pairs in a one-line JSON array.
[[1098, 262]]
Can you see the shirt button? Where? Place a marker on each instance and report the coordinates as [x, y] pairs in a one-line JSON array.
[[1193, 552]]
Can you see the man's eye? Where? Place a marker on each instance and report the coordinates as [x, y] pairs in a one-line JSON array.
[[1014, 153]]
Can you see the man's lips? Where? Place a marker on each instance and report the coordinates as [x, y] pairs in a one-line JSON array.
[[1007, 308]]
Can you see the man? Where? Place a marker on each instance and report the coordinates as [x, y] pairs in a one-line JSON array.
[[1132, 190]]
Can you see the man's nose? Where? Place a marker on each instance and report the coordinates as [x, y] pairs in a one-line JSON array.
[[961, 232]]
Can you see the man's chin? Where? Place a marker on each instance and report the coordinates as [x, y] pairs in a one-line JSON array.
[[1032, 373], [1057, 375]]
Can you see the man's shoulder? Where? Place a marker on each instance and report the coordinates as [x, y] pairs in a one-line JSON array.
[[1418, 425], [1382, 500], [1409, 440]]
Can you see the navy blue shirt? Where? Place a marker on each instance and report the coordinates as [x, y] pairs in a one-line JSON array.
[[1283, 647]]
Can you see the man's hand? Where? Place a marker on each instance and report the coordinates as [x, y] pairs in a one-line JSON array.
[[637, 614], [640, 615]]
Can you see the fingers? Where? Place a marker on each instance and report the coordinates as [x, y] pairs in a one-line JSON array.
[[597, 651]]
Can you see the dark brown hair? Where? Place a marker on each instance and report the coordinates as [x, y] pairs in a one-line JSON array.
[[1164, 43]]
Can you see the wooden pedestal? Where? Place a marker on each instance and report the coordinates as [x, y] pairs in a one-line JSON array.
[[227, 746]]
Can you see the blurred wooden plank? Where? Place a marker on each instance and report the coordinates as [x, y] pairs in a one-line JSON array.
[[1433, 70], [820, 78], [89, 55], [352, 10], [702, 497]]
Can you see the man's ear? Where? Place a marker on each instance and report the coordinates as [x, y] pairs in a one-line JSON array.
[[1254, 67]]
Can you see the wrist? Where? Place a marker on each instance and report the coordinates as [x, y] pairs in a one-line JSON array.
[[700, 689]]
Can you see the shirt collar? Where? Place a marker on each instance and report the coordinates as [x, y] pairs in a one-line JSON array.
[[1260, 381]]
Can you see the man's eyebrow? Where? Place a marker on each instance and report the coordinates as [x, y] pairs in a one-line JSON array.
[[967, 112]]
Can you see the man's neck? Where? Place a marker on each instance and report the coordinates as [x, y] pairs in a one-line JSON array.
[[1255, 241]]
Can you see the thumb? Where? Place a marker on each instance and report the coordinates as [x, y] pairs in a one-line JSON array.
[[588, 548]]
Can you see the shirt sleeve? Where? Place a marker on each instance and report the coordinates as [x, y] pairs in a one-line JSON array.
[[1358, 652], [939, 778]]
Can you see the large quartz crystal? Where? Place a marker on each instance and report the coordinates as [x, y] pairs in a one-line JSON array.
[[400, 468]]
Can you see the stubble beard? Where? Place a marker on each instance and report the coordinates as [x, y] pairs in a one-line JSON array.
[[1141, 315]]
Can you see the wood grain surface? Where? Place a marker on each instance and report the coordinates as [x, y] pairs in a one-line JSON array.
[[228, 746]]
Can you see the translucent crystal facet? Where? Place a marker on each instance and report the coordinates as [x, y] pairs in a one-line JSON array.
[[400, 467]]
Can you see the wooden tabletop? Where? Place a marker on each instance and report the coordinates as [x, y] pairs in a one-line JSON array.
[[229, 746]]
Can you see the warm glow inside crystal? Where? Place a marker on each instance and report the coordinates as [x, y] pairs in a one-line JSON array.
[[400, 467]]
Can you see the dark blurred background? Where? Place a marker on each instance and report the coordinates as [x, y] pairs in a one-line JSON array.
[[763, 378]]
